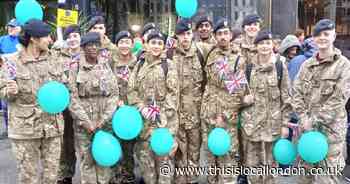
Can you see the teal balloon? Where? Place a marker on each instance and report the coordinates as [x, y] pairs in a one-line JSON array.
[[137, 47], [161, 141], [106, 149], [219, 142], [53, 97], [186, 8], [28, 9], [127, 122], [313, 147], [284, 152]]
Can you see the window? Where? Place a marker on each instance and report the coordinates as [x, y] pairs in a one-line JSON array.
[[236, 15], [243, 2], [236, 2]]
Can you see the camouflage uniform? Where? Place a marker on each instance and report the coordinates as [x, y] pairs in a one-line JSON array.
[[191, 90], [122, 70], [95, 97], [321, 91], [248, 50], [150, 86], [35, 135], [68, 157], [217, 100], [108, 50], [262, 121]]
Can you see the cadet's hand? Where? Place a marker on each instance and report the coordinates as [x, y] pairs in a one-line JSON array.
[[306, 124], [11, 87], [220, 120], [144, 112], [248, 99], [120, 103], [284, 132], [88, 127]]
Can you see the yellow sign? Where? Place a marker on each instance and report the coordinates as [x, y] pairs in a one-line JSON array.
[[66, 17]]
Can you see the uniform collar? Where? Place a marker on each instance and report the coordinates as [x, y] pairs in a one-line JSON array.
[[264, 67], [332, 58], [246, 45], [24, 57], [191, 52], [131, 62]]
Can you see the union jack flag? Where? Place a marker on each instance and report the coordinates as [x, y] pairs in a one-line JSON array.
[[104, 53], [11, 68], [222, 67], [153, 112], [235, 82], [124, 74]]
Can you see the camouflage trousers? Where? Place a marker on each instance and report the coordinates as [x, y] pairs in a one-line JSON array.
[[150, 164], [30, 152], [68, 157], [124, 171], [331, 166], [90, 172], [188, 153], [258, 154]]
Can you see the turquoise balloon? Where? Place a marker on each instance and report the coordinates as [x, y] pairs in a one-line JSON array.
[[284, 152], [127, 122], [106, 149], [219, 142], [313, 147], [186, 8], [161, 141], [53, 97], [28, 9]]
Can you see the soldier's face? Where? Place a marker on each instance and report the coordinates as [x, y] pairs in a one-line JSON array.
[[265, 47], [42, 43], [91, 49], [204, 30], [73, 40], [125, 46], [185, 39], [13, 31], [223, 37], [155, 47], [325, 39], [99, 28], [252, 29]]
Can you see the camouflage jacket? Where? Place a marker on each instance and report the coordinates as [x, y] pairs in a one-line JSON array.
[[69, 61], [122, 70], [320, 93], [191, 79], [216, 98], [148, 85], [108, 51], [247, 50], [26, 119], [94, 93], [263, 120]]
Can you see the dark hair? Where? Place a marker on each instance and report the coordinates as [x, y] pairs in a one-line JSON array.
[[24, 39], [298, 32]]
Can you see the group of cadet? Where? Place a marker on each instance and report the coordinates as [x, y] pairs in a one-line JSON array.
[[211, 76]]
